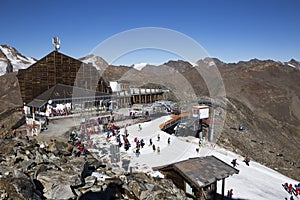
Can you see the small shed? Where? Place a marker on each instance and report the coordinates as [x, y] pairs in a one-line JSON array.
[[198, 177]]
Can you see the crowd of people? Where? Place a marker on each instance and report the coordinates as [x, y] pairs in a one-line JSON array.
[[139, 142], [292, 190]]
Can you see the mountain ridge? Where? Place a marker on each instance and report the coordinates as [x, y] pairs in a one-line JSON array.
[[11, 57]]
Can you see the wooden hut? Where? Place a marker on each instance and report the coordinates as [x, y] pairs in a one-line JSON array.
[[198, 177]]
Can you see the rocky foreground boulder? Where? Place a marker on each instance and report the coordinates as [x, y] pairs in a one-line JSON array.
[[34, 170]]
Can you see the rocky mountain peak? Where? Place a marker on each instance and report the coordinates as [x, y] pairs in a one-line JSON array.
[[96, 61], [210, 62], [12, 60], [179, 65]]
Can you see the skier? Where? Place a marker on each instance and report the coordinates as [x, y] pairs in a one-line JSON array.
[[150, 141], [158, 137], [140, 127], [169, 140], [158, 150], [197, 150]]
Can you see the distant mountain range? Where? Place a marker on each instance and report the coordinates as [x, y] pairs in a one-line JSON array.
[[12, 58]]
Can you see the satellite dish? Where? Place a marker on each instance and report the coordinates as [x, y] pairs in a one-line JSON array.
[[56, 43]]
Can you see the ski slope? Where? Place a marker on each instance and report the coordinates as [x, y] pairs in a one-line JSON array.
[[253, 182]]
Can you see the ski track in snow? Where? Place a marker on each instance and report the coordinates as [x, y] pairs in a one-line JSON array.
[[253, 182]]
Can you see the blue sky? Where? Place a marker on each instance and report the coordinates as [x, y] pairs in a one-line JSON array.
[[230, 30]]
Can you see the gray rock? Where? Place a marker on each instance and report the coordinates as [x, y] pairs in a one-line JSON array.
[[19, 188], [60, 191], [57, 183], [149, 186], [89, 182], [146, 195]]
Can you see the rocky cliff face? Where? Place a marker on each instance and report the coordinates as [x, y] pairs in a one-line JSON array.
[[55, 170]]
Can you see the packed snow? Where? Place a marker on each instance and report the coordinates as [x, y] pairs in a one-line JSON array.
[[253, 182]]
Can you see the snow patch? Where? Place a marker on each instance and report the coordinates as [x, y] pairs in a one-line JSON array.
[[96, 61], [289, 64], [193, 64], [209, 63], [139, 66]]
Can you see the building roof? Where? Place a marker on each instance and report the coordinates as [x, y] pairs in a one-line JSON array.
[[201, 171], [61, 91], [37, 103]]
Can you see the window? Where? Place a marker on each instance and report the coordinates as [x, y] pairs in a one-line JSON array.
[[188, 189]]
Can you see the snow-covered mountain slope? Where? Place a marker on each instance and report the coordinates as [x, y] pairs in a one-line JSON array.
[[9, 56], [96, 61], [255, 182]]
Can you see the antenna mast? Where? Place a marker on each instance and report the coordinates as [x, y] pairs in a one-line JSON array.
[[56, 43]]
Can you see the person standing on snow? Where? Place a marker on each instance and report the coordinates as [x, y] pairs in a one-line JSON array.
[[137, 152], [158, 137], [292, 198], [142, 143], [169, 140], [247, 160], [290, 189], [153, 147], [297, 191], [230, 194], [234, 163]]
